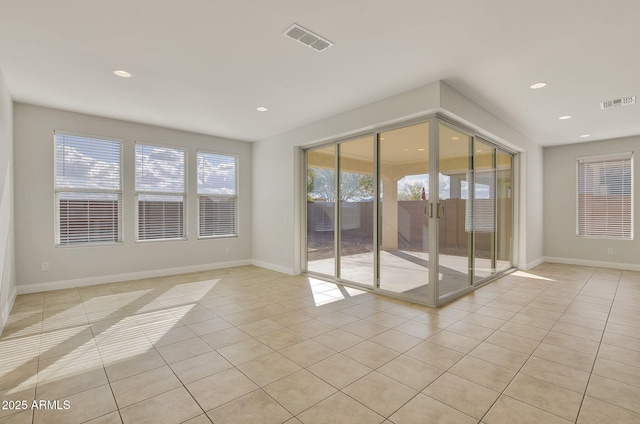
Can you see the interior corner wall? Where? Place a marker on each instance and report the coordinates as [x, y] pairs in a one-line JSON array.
[[34, 128], [276, 199], [7, 252], [560, 241]]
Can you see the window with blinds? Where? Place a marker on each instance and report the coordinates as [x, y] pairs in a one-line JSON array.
[[160, 192], [217, 195], [88, 190], [605, 196]]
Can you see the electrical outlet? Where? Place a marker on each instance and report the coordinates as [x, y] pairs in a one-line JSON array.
[[44, 266], [227, 250], [610, 251]]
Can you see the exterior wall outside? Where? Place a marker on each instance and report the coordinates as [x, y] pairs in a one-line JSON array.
[[34, 204], [560, 241], [7, 251]]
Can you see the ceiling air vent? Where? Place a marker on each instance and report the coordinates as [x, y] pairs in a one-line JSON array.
[[307, 38], [625, 101]]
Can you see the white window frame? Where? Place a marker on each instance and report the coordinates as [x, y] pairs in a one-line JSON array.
[[602, 159], [139, 193], [221, 196], [57, 190]]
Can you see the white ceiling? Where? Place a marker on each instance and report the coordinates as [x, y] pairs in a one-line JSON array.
[[205, 65]]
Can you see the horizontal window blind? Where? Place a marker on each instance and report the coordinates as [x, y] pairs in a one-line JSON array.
[[217, 195], [88, 189], [160, 192], [605, 196]]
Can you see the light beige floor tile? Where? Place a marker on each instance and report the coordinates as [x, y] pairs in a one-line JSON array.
[[614, 392], [110, 418], [592, 323], [334, 410], [471, 330], [224, 338], [463, 395], [522, 330], [513, 342], [510, 411], [282, 338], [311, 328], [500, 356], [60, 383], [365, 328], [307, 352], [83, 406], [260, 327], [135, 364], [549, 397], [395, 340], [244, 351], [436, 355], [18, 417], [299, 391], [218, 389], [577, 331], [617, 371], [543, 323], [338, 319], [143, 386], [380, 393], [454, 341], [268, 368], [174, 334], [370, 354], [255, 407], [624, 330], [200, 419], [339, 370], [200, 366], [558, 374], [619, 340], [411, 372], [16, 398], [564, 356], [483, 321], [424, 409], [595, 411], [290, 318], [209, 326], [338, 339], [619, 354], [186, 349], [417, 329], [172, 407], [484, 373], [196, 315], [566, 341]]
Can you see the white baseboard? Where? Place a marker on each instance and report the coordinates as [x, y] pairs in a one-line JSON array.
[[90, 281], [273, 267], [532, 264], [6, 310], [597, 264]]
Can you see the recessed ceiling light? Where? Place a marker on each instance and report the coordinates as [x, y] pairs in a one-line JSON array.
[[381, 138], [564, 117], [122, 74], [538, 85], [261, 109], [455, 138], [421, 150], [585, 135]]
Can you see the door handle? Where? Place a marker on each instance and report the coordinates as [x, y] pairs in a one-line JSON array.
[[440, 210]]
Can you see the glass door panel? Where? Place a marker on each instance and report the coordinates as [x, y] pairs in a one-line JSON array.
[[356, 214], [404, 194], [455, 196], [321, 255], [504, 210], [483, 215]]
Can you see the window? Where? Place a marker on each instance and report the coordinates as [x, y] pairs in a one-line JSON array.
[[88, 190], [217, 195], [160, 192], [605, 196]]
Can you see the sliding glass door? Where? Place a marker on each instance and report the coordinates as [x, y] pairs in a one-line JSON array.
[[398, 213]]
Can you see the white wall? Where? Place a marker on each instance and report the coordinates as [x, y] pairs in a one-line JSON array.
[[560, 241], [277, 161], [7, 254], [34, 206]]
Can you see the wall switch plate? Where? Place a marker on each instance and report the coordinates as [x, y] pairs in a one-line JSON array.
[[44, 266], [610, 251]]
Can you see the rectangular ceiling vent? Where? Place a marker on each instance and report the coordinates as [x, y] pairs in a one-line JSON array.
[[308, 38], [625, 101]]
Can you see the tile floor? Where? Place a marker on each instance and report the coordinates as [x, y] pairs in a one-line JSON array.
[[558, 344]]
